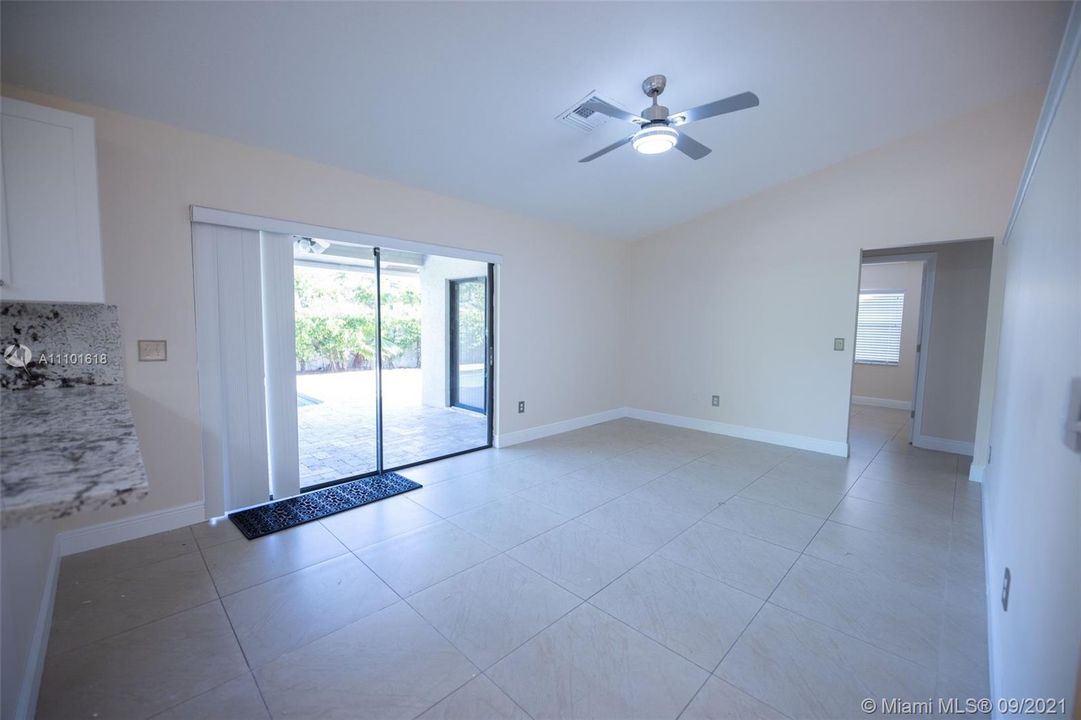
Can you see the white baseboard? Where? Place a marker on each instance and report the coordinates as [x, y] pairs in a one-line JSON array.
[[958, 447], [73, 541], [801, 442], [976, 472], [28, 694], [882, 402], [137, 526], [992, 588], [536, 433]]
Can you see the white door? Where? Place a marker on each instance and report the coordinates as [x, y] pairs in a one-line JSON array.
[[1032, 508]]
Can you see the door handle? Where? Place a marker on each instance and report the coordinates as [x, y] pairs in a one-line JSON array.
[[1073, 419]]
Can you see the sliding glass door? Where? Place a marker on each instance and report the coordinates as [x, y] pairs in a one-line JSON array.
[[423, 413], [393, 359], [469, 344], [336, 364], [324, 360]]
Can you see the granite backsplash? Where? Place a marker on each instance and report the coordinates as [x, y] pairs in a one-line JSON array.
[[69, 344], [67, 436]]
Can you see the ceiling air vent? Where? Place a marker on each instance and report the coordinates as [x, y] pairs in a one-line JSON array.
[[582, 118]]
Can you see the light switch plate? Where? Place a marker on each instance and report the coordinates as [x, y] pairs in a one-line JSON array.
[[152, 351], [838, 343]]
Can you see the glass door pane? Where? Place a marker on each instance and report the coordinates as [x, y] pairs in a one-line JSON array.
[[335, 311], [435, 332], [468, 346]]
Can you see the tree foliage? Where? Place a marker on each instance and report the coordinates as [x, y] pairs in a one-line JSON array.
[[335, 319]]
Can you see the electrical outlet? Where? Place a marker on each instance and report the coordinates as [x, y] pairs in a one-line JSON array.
[[716, 401], [838, 343], [1006, 590], [521, 406]]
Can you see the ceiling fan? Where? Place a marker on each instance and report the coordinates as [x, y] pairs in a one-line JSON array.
[[657, 129]]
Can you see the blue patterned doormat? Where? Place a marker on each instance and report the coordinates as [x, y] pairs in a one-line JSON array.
[[283, 514]]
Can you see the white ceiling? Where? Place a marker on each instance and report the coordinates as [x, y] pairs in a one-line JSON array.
[[460, 98]]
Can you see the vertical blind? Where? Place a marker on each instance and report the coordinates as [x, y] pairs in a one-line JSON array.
[[229, 338], [878, 328], [279, 363], [244, 329]]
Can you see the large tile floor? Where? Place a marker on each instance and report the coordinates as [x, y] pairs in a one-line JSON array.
[[626, 570]]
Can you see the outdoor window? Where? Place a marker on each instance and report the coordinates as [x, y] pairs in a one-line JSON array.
[[878, 328]]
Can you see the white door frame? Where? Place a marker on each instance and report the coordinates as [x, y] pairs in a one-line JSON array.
[[929, 260]]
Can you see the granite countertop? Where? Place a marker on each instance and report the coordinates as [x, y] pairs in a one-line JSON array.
[[65, 450]]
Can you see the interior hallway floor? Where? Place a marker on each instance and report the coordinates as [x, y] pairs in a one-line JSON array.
[[625, 570]]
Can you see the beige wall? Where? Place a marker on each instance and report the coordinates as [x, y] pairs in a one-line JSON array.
[[893, 382], [951, 395], [745, 302], [558, 288], [989, 372]]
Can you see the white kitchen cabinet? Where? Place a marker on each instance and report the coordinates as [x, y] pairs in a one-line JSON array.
[[50, 237]]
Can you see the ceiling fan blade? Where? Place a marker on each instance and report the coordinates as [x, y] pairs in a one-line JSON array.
[[691, 147], [717, 107], [598, 105], [605, 150]]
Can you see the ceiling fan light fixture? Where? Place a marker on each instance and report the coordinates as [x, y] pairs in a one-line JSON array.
[[654, 139], [656, 129]]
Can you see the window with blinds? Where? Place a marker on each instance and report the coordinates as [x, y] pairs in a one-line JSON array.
[[878, 328]]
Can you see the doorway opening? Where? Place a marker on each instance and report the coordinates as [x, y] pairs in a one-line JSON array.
[[918, 356], [886, 358]]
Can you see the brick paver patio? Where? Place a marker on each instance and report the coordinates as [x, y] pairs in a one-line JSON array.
[[337, 431]]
